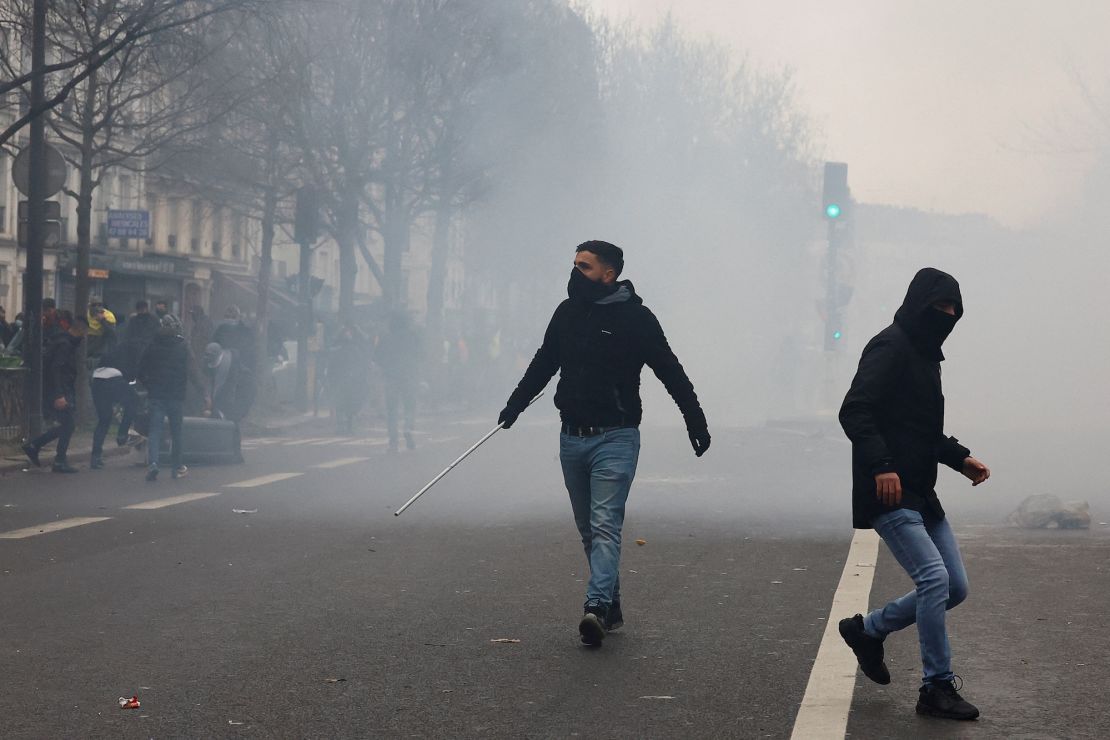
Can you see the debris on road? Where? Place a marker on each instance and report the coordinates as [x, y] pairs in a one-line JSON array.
[[505, 639], [641, 542], [334, 680], [233, 722], [1046, 510], [776, 582], [244, 511], [665, 698], [132, 703]]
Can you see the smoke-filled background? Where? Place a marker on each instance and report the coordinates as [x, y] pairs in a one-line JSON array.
[[461, 148]]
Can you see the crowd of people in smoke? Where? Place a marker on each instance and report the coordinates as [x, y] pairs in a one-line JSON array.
[[150, 367]]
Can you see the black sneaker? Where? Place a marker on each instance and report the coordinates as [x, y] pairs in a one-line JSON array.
[[868, 649], [32, 454], [592, 626], [63, 467], [121, 441], [942, 699], [152, 473], [96, 462], [614, 620]]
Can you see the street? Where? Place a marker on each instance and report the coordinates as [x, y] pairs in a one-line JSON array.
[[319, 614]]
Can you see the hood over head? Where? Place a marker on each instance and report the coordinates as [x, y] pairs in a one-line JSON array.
[[927, 326]]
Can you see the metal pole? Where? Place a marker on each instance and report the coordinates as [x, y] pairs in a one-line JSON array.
[[451, 467], [36, 227]]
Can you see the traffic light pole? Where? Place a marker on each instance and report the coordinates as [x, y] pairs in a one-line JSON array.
[[36, 227]]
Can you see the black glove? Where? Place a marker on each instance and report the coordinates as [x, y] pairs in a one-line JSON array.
[[699, 439], [507, 417]]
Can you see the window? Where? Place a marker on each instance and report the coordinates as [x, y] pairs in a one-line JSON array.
[[196, 224], [5, 178], [173, 206], [125, 191]]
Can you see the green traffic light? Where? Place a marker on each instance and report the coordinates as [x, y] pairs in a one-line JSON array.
[[832, 210], [837, 335]]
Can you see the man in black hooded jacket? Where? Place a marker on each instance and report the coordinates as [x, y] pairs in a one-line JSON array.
[[599, 339], [894, 415]]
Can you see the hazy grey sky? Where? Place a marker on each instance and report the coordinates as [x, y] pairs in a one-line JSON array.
[[942, 104]]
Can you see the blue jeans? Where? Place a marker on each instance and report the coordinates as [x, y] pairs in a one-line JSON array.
[[926, 548], [162, 408], [598, 473]]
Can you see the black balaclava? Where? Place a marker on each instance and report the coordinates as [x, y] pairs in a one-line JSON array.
[[927, 326], [581, 288]]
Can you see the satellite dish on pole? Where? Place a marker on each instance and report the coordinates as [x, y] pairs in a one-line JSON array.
[[56, 171]]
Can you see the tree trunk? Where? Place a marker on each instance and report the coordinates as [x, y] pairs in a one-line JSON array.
[[437, 274], [348, 268], [84, 235], [395, 237], [262, 310]]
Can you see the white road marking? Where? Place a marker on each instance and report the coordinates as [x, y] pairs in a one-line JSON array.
[[341, 462], [253, 482], [828, 698], [368, 442], [304, 441], [332, 441], [161, 503], [19, 534]]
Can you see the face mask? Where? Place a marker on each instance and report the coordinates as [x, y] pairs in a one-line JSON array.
[[936, 326], [581, 288]]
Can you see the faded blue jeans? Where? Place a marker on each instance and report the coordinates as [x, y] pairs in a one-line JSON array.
[[598, 473], [926, 549], [161, 409]]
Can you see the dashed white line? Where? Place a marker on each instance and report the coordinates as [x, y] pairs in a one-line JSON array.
[[305, 441], [341, 462], [19, 534], [263, 480], [828, 698], [161, 503]]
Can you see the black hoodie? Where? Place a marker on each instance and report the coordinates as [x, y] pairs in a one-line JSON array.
[[599, 349], [894, 411]]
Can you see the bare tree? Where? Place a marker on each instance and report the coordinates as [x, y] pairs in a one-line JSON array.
[[127, 23]]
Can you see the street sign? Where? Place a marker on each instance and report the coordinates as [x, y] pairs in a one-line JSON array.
[[128, 224], [53, 234], [55, 171], [53, 210]]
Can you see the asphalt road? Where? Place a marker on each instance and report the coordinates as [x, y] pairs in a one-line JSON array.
[[238, 624]]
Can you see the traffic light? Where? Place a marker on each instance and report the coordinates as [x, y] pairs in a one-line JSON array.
[[836, 199]]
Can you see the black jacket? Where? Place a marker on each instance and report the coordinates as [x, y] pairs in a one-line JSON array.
[[59, 366], [599, 349], [164, 367], [894, 411]]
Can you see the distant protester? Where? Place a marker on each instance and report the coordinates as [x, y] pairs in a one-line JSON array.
[[59, 389], [399, 356], [164, 371], [233, 333], [894, 416], [599, 340]]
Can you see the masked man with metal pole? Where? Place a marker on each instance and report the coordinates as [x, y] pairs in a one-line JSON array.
[[894, 415], [599, 339]]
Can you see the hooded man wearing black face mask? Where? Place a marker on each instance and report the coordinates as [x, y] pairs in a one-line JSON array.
[[894, 415], [599, 340]]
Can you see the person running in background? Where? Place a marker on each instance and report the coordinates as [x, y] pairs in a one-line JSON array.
[[59, 388]]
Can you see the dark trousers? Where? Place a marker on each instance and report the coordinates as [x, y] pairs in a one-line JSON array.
[[399, 395], [161, 409], [62, 431], [106, 394]]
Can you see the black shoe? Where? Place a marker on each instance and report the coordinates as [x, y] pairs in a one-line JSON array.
[[152, 473], [592, 626], [942, 699], [614, 620], [868, 649], [32, 454], [96, 462], [121, 441], [63, 467]]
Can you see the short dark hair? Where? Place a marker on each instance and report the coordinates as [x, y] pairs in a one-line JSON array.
[[141, 305], [610, 254], [161, 302], [49, 303]]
